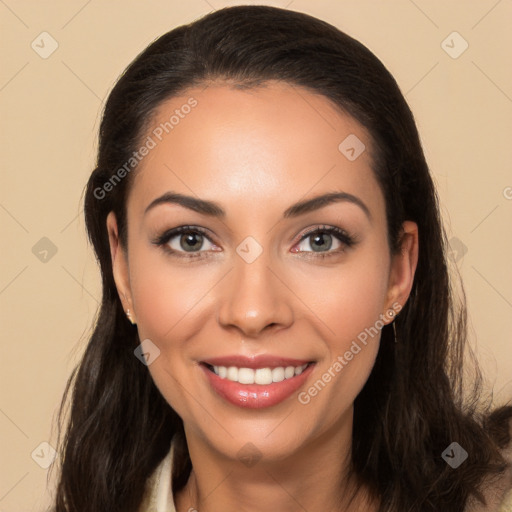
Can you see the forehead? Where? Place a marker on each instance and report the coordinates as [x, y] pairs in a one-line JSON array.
[[254, 150]]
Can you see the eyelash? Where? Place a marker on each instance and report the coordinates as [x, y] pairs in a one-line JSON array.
[[341, 235]]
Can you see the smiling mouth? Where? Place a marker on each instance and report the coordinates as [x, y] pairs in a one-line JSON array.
[[260, 376], [256, 382]]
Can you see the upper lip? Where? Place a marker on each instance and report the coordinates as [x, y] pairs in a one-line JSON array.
[[254, 362]]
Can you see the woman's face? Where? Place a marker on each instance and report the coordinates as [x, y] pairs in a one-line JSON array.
[[250, 284]]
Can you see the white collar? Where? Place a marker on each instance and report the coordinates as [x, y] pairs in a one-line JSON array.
[[162, 491]]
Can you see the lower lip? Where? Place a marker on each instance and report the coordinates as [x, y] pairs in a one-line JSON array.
[[256, 396]]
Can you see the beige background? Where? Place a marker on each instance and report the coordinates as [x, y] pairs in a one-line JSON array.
[[50, 112]]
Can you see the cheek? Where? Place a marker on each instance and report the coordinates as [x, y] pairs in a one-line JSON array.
[[171, 301], [167, 299], [165, 293], [349, 302], [350, 298]]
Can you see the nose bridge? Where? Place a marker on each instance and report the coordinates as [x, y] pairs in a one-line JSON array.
[[253, 297]]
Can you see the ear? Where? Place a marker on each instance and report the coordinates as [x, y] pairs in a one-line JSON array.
[[403, 267], [120, 268]]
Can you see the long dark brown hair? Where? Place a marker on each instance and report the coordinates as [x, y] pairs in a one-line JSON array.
[[414, 404]]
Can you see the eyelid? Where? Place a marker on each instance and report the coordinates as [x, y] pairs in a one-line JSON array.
[[172, 232], [326, 229]]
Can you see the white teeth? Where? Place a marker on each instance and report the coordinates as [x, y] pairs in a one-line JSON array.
[[289, 372], [262, 376], [278, 374], [232, 373], [300, 369], [246, 376]]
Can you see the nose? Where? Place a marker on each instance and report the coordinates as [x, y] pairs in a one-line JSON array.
[[254, 298]]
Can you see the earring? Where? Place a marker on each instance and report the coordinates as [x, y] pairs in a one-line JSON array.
[[392, 314], [129, 315], [394, 333]]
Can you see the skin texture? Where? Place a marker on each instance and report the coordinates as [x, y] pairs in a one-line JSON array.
[[256, 152]]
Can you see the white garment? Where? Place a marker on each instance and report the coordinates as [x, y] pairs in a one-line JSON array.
[[160, 498]]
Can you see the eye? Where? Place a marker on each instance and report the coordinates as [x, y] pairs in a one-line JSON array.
[[324, 241], [185, 241], [190, 241]]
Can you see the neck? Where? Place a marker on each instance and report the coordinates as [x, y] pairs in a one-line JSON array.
[[315, 478]]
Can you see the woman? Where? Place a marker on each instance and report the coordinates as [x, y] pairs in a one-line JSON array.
[[278, 330]]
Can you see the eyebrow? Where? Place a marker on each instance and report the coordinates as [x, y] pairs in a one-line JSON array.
[[213, 209]]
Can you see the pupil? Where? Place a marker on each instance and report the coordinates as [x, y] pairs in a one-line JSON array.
[[323, 242], [193, 239]]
